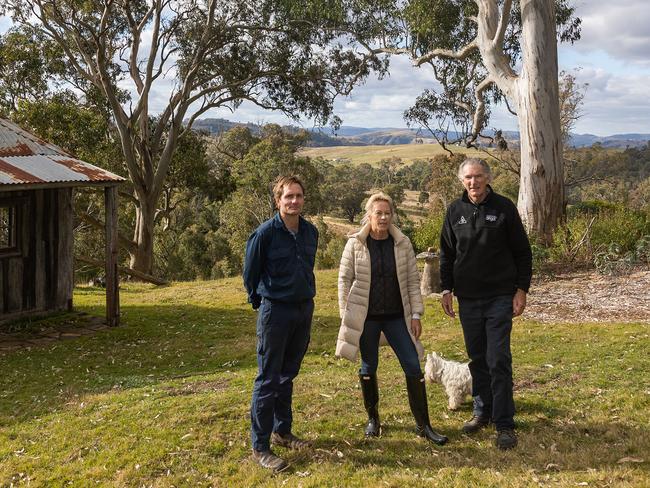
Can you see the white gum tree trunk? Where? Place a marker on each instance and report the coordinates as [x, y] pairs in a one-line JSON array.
[[534, 93], [541, 188]]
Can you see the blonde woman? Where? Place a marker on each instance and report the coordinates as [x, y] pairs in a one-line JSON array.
[[379, 293]]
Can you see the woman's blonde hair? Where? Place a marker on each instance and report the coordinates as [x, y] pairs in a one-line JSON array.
[[380, 196]]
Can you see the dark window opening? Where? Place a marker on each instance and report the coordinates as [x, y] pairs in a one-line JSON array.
[[8, 228]]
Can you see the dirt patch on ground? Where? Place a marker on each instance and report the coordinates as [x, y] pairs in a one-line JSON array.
[[42, 331], [590, 297]]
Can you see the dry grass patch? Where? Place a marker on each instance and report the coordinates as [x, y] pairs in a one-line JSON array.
[[373, 154]]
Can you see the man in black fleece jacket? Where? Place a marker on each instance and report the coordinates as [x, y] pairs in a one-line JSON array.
[[486, 261]]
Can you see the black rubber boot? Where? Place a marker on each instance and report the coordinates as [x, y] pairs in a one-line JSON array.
[[370, 400], [418, 402]]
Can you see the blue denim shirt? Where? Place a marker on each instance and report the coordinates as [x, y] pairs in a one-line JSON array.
[[280, 265]]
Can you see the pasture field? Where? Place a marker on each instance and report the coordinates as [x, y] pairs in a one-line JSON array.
[[373, 154], [163, 401]]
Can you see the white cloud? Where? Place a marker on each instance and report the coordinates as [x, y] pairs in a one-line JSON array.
[[621, 29], [614, 103]]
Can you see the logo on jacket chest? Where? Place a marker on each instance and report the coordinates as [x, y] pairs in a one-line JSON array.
[[491, 218], [462, 220]]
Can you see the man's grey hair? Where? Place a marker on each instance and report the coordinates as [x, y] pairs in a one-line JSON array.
[[478, 162]]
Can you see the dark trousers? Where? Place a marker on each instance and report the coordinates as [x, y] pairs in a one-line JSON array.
[[399, 339], [487, 323], [283, 332]]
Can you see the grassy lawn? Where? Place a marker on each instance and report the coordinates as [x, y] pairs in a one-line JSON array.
[[163, 401], [374, 154]]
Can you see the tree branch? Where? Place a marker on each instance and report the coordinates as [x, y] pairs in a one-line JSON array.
[[127, 244], [123, 269], [504, 20]]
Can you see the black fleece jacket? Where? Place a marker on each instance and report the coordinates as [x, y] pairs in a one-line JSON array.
[[484, 249]]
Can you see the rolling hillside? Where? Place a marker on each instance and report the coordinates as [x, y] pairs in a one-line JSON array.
[[373, 154]]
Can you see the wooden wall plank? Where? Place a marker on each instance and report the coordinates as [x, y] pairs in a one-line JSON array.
[[27, 249], [39, 249], [65, 265], [15, 282], [49, 219], [2, 287]]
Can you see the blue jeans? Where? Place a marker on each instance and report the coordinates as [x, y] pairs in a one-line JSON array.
[[487, 323], [399, 339], [283, 333]]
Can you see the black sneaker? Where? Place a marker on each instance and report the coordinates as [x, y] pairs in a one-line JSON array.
[[268, 460], [475, 424], [506, 439]]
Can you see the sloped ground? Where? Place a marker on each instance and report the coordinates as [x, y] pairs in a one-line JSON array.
[[590, 297]]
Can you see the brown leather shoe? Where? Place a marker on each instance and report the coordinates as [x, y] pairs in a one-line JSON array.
[[289, 441], [475, 424], [268, 460]]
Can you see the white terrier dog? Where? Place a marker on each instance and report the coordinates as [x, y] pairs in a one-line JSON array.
[[454, 376]]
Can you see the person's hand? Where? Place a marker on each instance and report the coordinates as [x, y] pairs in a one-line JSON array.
[[518, 302], [416, 328], [447, 302]]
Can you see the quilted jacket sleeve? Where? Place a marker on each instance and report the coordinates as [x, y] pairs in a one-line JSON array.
[[415, 297], [346, 275]]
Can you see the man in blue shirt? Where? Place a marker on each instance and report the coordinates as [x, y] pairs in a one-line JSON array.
[[279, 279]]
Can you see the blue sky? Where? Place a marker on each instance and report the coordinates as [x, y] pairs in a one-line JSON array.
[[612, 57]]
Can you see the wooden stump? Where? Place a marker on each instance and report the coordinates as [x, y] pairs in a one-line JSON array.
[[430, 281]]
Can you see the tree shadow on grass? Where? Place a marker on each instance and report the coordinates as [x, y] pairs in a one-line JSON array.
[[548, 444], [154, 344]]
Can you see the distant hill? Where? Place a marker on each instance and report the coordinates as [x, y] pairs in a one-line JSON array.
[[365, 136], [379, 136], [617, 140], [218, 126]]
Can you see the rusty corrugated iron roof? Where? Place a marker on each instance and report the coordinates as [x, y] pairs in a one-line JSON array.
[[25, 159]]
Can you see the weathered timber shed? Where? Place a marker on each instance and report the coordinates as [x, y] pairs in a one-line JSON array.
[[36, 225]]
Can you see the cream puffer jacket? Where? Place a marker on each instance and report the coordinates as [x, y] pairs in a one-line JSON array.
[[354, 289]]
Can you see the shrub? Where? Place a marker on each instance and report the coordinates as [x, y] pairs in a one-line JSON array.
[[610, 237], [621, 226], [427, 234], [330, 246]]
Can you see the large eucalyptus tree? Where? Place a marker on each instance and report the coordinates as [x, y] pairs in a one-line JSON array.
[[160, 64], [486, 51]]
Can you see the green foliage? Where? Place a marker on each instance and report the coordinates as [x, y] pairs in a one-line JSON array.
[[346, 188], [330, 247], [28, 61], [191, 246], [591, 207], [450, 24], [415, 176], [640, 196], [614, 260], [622, 226], [611, 238], [427, 234], [74, 124], [505, 182], [395, 191], [444, 178], [291, 57], [541, 256], [642, 250], [254, 171], [239, 216]]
